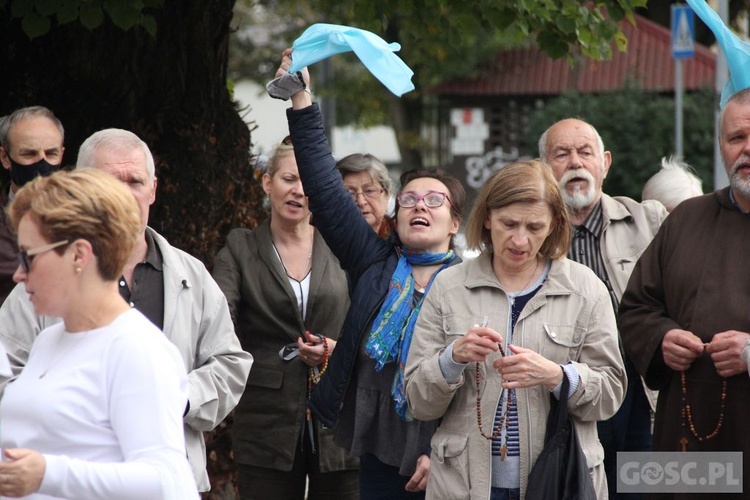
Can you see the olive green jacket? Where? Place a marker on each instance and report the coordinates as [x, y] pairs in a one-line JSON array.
[[272, 411]]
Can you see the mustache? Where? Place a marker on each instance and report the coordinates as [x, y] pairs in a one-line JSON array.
[[579, 173], [742, 160]]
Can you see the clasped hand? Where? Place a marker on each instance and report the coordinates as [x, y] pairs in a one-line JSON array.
[[681, 347], [312, 350], [526, 368]]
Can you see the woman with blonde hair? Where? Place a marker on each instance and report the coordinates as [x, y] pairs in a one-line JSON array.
[[288, 298], [496, 336], [97, 411]]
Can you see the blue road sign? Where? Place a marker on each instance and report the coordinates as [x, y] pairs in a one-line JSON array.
[[683, 32]]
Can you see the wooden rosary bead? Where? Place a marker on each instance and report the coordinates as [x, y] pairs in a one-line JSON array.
[[687, 415]]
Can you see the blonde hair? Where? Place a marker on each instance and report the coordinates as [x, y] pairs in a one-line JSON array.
[[82, 204], [520, 182], [283, 150]]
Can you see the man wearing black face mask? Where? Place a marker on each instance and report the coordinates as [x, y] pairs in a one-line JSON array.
[[31, 144]]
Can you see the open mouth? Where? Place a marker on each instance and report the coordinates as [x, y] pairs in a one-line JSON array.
[[295, 204], [419, 221]]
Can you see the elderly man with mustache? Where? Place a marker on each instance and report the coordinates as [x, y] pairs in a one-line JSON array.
[[611, 233]]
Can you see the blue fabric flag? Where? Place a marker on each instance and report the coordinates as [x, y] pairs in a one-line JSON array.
[[735, 50], [321, 41]]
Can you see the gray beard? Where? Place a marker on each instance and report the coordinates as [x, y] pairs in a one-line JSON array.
[[579, 201]]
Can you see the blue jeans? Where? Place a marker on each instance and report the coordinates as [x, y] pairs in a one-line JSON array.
[[379, 481], [505, 494], [628, 430]]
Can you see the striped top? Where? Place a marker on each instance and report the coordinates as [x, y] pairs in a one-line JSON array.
[[585, 247]]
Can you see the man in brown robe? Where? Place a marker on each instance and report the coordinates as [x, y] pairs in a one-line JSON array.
[[686, 310]]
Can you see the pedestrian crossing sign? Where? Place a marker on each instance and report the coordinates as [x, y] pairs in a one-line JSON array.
[[683, 32]]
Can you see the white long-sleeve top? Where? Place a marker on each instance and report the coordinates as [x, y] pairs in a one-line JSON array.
[[105, 408]]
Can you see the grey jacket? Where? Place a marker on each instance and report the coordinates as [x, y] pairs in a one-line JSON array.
[[628, 228], [196, 320], [570, 319]]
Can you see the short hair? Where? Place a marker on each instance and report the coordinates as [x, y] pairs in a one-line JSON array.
[[282, 150], [520, 182], [82, 204], [7, 123], [543, 139], [673, 184], [357, 162], [113, 139], [741, 97], [456, 191]]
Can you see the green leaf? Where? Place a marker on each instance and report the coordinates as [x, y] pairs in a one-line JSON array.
[[68, 12], [47, 7], [584, 36], [566, 25], [35, 25], [92, 15], [616, 12], [551, 44], [19, 8], [622, 41], [123, 15], [149, 24]]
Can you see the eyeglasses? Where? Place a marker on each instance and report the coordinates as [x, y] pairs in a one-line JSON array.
[[369, 192], [27, 256], [433, 199]]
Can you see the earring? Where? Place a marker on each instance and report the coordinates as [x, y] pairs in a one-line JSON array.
[[78, 270]]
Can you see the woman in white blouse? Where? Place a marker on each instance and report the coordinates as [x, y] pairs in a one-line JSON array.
[[97, 411]]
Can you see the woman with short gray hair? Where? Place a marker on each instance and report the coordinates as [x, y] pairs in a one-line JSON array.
[[367, 180]]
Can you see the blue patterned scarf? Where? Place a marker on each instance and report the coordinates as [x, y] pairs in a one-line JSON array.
[[392, 329]]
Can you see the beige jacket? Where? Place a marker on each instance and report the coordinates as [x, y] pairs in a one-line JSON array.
[[628, 228], [569, 320]]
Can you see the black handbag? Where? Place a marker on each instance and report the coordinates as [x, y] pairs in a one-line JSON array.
[[560, 471]]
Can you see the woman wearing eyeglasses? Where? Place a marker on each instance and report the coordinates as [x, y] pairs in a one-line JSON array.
[[97, 410], [498, 334], [288, 297], [362, 394], [369, 184]]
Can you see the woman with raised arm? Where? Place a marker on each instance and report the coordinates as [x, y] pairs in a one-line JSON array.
[[362, 394]]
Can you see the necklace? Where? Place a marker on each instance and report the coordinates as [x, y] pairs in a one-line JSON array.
[[504, 418], [308, 268], [687, 415], [536, 266], [420, 287]]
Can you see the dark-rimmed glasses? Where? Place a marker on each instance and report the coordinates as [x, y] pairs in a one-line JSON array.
[[27, 256], [369, 192], [432, 199]]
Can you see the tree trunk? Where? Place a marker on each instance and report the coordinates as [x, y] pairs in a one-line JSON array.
[[171, 91]]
